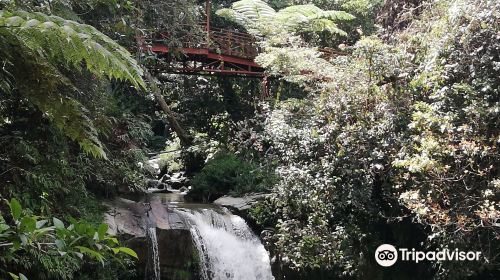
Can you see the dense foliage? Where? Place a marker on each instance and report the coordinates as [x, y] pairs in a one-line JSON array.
[[30, 244], [382, 126], [227, 174], [72, 131], [395, 143]]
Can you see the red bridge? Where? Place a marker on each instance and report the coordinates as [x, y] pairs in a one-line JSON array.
[[204, 50], [217, 51]]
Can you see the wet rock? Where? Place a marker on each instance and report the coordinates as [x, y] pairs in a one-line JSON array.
[[160, 188], [241, 205], [165, 190], [178, 175], [175, 181], [152, 184], [124, 218], [127, 219], [165, 178], [154, 164], [126, 190]]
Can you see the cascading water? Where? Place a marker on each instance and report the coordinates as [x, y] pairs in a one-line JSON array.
[[153, 266], [227, 247]]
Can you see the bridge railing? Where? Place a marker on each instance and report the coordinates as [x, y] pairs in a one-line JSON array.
[[233, 43], [223, 41]]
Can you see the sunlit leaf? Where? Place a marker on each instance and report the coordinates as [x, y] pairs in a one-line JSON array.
[[15, 208], [58, 223]]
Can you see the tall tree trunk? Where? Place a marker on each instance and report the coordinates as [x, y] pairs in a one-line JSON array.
[[184, 137]]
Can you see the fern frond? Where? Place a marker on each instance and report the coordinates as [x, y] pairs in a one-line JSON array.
[[252, 13], [70, 117], [44, 86], [6, 77], [311, 18], [333, 16], [323, 24], [38, 45], [254, 10], [70, 42], [306, 11]]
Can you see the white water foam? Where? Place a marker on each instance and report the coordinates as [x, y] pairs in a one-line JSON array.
[[228, 248]]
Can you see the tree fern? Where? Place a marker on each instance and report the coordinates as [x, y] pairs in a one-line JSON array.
[[252, 13], [254, 9], [46, 88], [312, 18], [34, 46], [67, 41]]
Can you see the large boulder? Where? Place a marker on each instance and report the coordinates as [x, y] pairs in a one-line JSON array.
[[239, 205], [129, 220], [175, 181]]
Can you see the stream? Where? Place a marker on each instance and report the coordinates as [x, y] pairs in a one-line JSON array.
[[227, 247]]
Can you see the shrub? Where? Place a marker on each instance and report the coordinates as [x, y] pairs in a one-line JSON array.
[[227, 174]]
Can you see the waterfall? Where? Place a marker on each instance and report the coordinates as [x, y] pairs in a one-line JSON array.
[[153, 265], [228, 249]]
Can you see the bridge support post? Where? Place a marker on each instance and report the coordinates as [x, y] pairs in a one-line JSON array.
[[208, 11], [265, 87]]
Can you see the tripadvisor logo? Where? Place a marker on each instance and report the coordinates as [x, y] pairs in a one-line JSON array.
[[387, 255]]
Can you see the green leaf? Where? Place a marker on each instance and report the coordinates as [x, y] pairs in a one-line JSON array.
[[72, 220], [15, 277], [3, 227], [113, 240], [41, 223], [24, 239], [128, 251], [58, 223], [296, 18], [15, 209], [91, 232], [60, 244], [103, 228], [62, 253], [16, 244], [22, 277], [28, 224], [80, 228], [73, 43], [92, 253], [43, 43]]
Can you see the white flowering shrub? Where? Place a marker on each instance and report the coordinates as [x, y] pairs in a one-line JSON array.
[[396, 143]]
